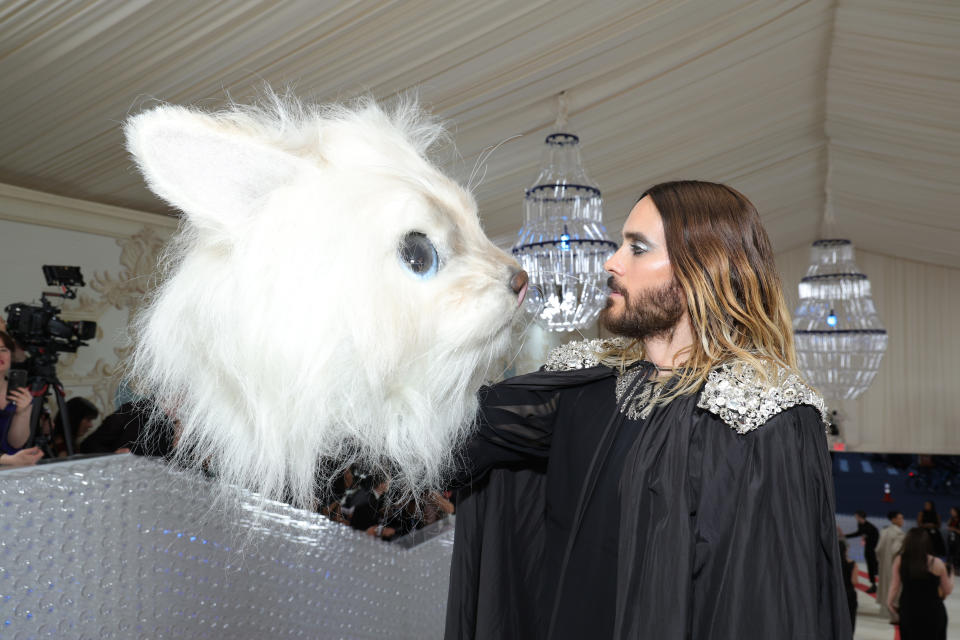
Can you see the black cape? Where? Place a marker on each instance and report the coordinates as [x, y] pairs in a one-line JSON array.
[[720, 535]]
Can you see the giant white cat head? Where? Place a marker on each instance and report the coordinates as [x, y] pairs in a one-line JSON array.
[[330, 292]]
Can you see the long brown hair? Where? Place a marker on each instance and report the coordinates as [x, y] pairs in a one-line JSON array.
[[723, 260], [916, 546]]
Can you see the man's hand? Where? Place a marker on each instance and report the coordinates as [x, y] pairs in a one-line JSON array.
[[21, 397], [22, 458]]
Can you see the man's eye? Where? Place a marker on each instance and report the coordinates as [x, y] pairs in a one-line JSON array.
[[419, 255], [638, 248]]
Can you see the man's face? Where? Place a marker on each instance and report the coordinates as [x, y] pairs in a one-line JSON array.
[[860, 519], [898, 520], [645, 299]]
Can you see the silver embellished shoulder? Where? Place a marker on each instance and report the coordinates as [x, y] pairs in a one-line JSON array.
[[738, 396], [580, 354]]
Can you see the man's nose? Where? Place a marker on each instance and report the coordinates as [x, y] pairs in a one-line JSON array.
[[611, 265]]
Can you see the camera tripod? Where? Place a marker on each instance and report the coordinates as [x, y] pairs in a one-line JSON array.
[[41, 383]]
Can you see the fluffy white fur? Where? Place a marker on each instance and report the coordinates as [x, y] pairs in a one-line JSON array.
[[285, 328]]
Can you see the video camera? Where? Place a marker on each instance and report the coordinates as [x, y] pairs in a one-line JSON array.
[[38, 329], [43, 335]]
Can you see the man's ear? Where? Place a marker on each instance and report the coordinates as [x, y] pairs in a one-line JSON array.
[[214, 173]]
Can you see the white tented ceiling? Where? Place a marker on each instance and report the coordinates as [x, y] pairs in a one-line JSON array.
[[790, 102]]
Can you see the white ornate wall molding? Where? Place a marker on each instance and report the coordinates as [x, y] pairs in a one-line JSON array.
[[36, 207], [124, 292]]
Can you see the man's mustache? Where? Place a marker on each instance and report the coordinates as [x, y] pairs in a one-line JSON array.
[[614, 286]]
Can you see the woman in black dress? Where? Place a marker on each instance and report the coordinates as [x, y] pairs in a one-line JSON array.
[[925, 581]]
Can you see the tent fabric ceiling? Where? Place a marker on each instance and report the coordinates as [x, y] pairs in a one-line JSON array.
[[893, 109], [770, 97]]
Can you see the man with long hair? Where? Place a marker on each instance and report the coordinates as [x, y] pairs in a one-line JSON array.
[[672, 482]]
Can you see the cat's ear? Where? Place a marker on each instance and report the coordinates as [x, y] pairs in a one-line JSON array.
[[211, 171]]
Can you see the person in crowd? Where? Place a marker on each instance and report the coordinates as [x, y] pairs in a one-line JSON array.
[[57, 443], [442, 504], [45, 427], [929, 520], [15, 405], [81, 414], [953, 538], [849, 580], [368, 511], [399, 520], [125, 430], [871, 536], [350, 500], [22, 458], [891, 539], [345, 484], [330, 497], [18, 355], [921, 581]]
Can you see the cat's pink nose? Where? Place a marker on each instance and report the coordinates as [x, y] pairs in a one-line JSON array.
[[519, 284]]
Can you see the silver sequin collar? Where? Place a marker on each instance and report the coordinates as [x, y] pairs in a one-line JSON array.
[[734, 393], [635, 399], [737, 395], [581, 354]]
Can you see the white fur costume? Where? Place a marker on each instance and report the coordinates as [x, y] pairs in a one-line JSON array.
[[286, 327]]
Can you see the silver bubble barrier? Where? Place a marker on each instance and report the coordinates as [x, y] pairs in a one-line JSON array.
[[125, 547]]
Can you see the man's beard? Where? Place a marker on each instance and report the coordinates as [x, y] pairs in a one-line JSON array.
[[654, 313]]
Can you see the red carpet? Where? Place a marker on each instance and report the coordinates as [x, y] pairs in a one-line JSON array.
[[863, 586]]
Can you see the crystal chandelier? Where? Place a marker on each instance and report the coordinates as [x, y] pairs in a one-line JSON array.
[[563, 243], [838, 335]]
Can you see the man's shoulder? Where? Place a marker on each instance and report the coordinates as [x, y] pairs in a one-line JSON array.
[[745, 400], [581, 354]]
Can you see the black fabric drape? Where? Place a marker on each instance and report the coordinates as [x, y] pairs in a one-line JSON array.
[[497, 572], [721, 535], [746, 523]]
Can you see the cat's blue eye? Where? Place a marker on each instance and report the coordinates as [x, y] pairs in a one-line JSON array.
[[419, 255]]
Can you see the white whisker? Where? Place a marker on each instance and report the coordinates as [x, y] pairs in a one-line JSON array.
[[482, 160]]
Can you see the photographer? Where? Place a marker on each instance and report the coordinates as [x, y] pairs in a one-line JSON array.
[[15, 415], [43, 335]]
